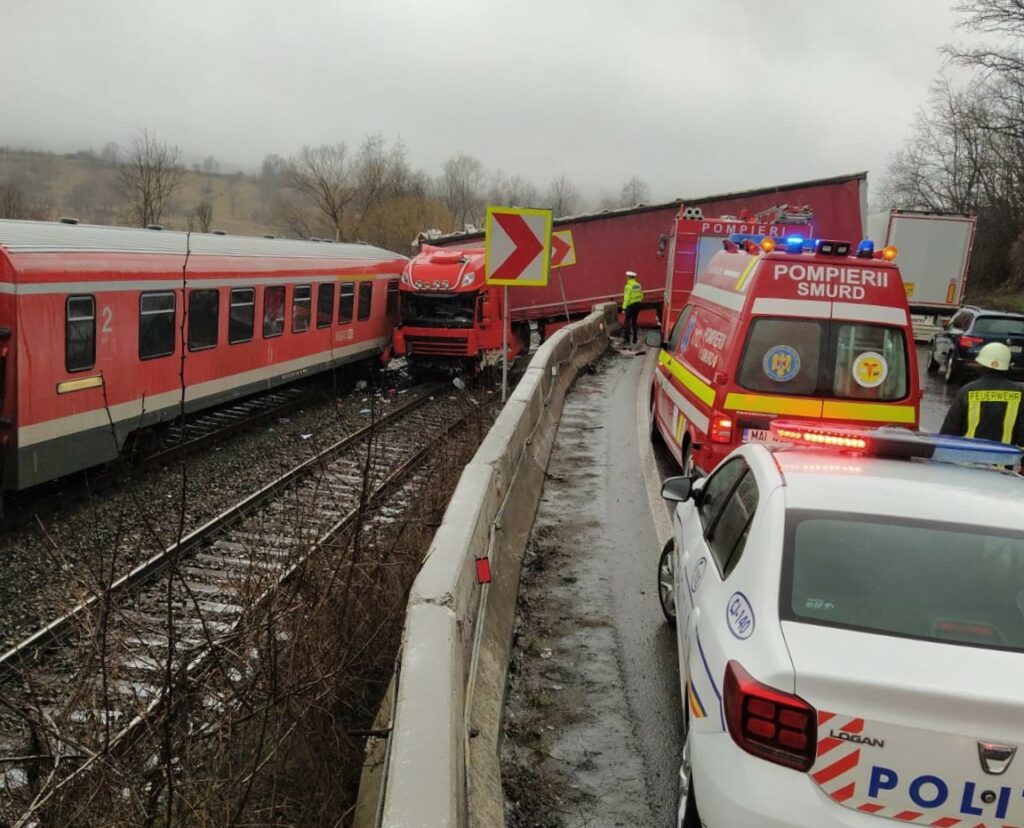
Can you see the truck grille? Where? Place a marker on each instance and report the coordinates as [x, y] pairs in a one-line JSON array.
[[438, 345]]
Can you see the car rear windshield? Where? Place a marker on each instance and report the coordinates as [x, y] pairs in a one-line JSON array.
[[998, 326], [934, 581], [824, 358]]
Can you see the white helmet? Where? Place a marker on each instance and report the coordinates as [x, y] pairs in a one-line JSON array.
[[630, 274], [996, 356]]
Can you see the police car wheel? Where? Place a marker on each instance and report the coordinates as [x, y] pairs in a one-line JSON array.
[[666, 581], [686, 804]]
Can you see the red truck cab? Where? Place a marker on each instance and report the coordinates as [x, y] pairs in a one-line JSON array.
[[790, 328]]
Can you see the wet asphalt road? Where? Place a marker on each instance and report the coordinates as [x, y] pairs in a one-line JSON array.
[[595, 610], [937, 395]]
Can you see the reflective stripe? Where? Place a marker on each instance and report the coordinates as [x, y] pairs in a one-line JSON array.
[[717, 296], [746, 272], [704, 392], [684, 405], [973, 413], [875, 412], [869, 313], [764, 404], [1011, 399], [793, 307], [815, 309]]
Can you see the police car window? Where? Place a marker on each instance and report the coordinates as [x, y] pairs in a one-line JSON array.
[[677, 329], [782, 356], [998, 326], [729, 532], [717, 489], [870, 362], [919, 579]]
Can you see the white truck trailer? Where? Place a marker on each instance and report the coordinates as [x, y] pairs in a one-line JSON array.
[[934, 253]]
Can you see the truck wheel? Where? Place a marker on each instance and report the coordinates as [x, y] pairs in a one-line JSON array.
[[933, 363]]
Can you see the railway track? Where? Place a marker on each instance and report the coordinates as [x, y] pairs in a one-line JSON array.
[[92, 680]]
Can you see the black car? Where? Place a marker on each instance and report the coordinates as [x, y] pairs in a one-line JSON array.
[[955, 348]]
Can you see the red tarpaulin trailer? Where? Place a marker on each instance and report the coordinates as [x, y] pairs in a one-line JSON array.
[[594, 251]]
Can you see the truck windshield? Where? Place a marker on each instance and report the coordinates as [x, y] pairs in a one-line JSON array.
[[918, 579], [825, 358], [449, 310]]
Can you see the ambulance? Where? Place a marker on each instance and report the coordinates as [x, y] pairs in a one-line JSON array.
[[784, 327]]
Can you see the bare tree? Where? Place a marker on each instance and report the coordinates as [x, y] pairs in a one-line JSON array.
[[563, 197], [211, 166], [1005, 20], [15, 205], [111, 153], [634, 192], [514, 191], [461, 182], [941, 165], [324, 176], [149, 176], [201, 217]]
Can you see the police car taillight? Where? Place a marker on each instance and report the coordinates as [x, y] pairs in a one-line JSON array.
[[768, 723], [896, 442]]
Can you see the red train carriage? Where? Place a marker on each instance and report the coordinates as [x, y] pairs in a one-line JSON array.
[[92, 321]]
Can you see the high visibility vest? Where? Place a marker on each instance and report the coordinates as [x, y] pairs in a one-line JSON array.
[[633, 294], [1010, 399]]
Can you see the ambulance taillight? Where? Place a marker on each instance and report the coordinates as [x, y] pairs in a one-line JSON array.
[[769, 723], [721, 429]]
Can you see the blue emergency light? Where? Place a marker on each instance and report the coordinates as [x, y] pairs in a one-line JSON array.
[[794, 244], [894, 442], [866, 249]]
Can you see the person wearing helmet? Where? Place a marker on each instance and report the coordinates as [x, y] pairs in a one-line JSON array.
[[990, 406], [632, 296]]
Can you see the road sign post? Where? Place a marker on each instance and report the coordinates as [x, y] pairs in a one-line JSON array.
[[517, 252]]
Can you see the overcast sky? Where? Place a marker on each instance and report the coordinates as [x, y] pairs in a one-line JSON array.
[[693, 97]]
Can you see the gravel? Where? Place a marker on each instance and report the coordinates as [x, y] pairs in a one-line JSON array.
[[48, 566]]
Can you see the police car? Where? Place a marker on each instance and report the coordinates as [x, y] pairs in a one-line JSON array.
[[850, 618]]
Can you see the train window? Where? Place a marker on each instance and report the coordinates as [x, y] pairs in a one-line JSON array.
[[273, 311], [346, 302], [392, 306], [240, 320], [80, 333], [156, 324], [302, 300], [365, 299], [203, 310], [324, 304]]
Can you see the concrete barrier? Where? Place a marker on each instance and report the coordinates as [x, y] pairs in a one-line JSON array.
[[442, 764]]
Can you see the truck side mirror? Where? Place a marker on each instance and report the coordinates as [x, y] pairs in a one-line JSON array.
[[653, 339], [485, 314]]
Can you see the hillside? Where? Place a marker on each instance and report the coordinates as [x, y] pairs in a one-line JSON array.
[[84, 186]]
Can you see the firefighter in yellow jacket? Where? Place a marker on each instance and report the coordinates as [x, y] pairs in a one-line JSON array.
[[632, 296], [990, 407]]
